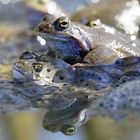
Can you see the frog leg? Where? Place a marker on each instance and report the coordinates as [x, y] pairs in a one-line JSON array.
[[101, 54], [82, 65]]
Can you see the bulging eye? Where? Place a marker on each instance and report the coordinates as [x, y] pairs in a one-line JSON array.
[[68, 129], [62, 23], [37, 67], [95, 23]]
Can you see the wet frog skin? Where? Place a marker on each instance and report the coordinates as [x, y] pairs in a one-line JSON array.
[[75, 41], [52, 70]]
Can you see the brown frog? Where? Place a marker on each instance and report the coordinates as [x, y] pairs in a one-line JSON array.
[[75, 42], [122, 14]]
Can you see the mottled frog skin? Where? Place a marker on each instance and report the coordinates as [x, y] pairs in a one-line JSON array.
[[73, 41], [52, 70]]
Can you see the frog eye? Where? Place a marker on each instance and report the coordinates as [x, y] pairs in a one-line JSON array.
[[37, 67], [95, 23], [68, 129], [62, 23]]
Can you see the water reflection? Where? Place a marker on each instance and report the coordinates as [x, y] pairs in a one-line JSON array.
[[28, 126]]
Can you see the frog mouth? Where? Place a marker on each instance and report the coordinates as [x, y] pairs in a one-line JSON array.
[[57, 36], [43, 80]]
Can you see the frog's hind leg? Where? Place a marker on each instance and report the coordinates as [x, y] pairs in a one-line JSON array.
[[102, 55]]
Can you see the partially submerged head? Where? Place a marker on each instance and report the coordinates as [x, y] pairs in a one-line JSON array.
[[43, 68], [22, 68]]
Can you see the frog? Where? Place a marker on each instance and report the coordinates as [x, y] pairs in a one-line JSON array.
[[75, 42], [48, 70], [112, 13], [97, 23], [100, 10]]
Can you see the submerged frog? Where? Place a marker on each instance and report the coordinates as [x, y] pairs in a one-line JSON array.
[[53, 70], [74, 41]]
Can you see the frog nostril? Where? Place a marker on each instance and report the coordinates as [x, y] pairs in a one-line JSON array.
[[47, 25], [43, 28], [48, 70]]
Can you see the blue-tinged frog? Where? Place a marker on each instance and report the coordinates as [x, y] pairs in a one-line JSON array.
[[75, 42]]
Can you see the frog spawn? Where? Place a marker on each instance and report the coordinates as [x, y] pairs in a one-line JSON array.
[[71, 85], [120, 102]]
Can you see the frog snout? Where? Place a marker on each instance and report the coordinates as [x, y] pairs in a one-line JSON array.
[[44, 28]]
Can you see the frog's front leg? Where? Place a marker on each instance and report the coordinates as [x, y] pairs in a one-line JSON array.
[[101, 54], [82, 65]]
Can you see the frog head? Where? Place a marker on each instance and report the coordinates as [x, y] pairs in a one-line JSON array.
[[69, 38], [43, 69]]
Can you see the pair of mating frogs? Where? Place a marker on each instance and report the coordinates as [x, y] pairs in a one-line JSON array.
[[74, 42]]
